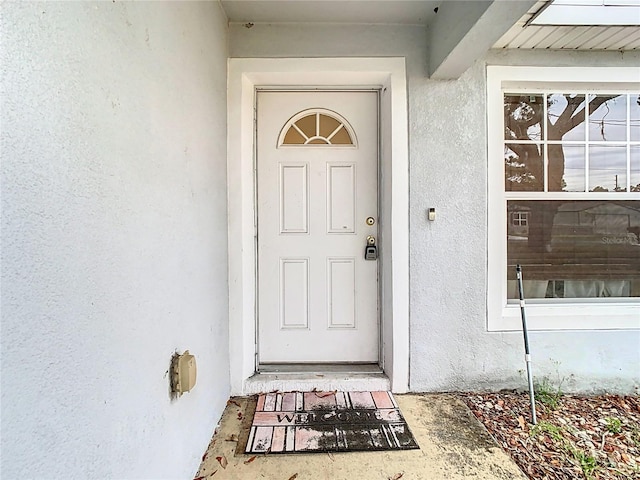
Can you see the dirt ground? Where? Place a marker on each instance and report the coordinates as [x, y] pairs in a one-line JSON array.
[[453, 446], [576, 437]]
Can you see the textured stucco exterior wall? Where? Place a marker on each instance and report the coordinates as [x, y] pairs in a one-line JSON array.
[[311, 40], [450, 346], [113, 236], [451, 349]]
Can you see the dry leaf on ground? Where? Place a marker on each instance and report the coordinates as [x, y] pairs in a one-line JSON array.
[[594, 437], [522, 423], [223, 461], [206, 476], [325, 394]]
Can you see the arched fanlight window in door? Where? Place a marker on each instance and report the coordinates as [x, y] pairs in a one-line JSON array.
[[317, 127]]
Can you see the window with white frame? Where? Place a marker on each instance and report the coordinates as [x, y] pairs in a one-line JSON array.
[[564, 201], [519, 219]]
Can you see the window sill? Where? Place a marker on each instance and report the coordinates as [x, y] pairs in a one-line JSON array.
[[567, 316]]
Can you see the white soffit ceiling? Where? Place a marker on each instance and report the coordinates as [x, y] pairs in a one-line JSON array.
[[589, 12], [406, 12], [526, 35]]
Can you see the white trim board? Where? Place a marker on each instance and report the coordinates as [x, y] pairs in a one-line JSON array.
[[244, 77]]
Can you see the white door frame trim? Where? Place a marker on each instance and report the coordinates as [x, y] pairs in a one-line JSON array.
[[247, 74]]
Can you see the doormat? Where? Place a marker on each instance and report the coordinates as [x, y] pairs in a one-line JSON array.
[[305, 422]]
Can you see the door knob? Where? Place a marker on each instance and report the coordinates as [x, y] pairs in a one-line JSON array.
[[370, 250]]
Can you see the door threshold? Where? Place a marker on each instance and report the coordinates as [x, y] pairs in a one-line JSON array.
[[318, 368], [348, 378]]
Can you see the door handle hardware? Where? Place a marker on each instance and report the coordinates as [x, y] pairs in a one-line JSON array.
[[370, 250], [371, 221]]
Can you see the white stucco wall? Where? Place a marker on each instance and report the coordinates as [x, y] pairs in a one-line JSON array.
[[450, 346], [113, 236]]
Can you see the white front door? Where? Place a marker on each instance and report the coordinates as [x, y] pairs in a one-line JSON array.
[[317, 177]]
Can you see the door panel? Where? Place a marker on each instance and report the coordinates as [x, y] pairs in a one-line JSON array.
[[341, 198], [317, 176]]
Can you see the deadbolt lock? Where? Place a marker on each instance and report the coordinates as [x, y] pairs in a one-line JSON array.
[[371, 221]]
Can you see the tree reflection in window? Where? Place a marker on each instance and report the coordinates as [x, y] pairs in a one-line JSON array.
[[557, 146]]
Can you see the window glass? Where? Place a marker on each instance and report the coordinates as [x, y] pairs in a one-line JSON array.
[[635, 168], [294, 137], [607, 117], [634, 115], [307, 125], [575, 249], [566, 116], [313, 127], [523, 117], [341, 137], [524, 167], [607, 168], [328, 125], [567, 168]]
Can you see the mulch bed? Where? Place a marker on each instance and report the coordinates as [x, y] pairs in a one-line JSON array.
[[576, 437]]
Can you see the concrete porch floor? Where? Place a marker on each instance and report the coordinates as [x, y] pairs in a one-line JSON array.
[[453, 445]]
